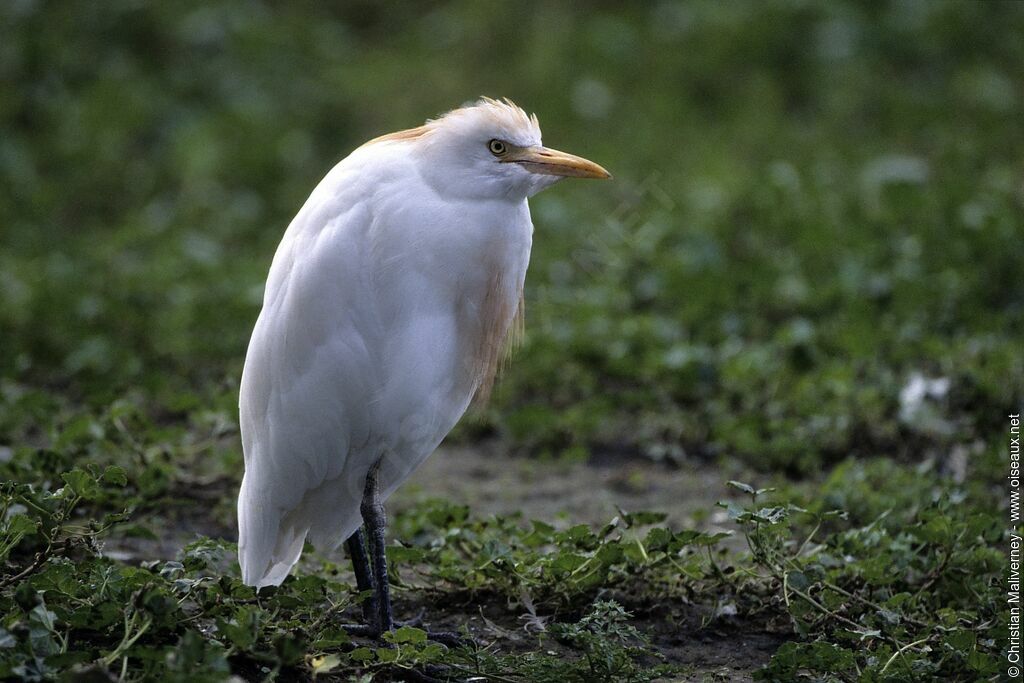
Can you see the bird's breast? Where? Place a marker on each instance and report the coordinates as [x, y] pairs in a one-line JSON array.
[[490, 299], [458, 276]]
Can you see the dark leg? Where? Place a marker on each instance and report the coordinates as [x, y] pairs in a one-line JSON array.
[[361, 566], [376, 523], [372, 572]]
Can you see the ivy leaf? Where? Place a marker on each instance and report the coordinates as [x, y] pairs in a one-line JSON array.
[[408, 634], [115, 475], [567, 562], [82, 483], [361, 655]]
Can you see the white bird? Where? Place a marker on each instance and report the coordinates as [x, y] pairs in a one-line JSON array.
[[387, 308]]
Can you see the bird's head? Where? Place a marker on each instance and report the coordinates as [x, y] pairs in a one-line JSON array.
[[489, 150]]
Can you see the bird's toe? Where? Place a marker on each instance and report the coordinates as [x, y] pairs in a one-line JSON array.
[[415, 622], [453, 639]]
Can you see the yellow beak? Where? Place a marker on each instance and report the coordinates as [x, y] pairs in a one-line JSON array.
[[553, 162]]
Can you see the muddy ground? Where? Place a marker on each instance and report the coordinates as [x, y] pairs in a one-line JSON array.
[[591, 492], [588, 492], [493, 483]]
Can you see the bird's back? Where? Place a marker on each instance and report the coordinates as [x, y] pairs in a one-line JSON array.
[[382, 307]]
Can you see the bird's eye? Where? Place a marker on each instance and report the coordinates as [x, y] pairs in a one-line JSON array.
[[497, 147]]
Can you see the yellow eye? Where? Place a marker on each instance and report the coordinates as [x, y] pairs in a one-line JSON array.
[[497, 147]]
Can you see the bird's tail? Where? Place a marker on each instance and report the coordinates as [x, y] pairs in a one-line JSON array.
[[268, 546]]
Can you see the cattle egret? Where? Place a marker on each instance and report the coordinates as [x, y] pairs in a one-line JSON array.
[[387, 308]]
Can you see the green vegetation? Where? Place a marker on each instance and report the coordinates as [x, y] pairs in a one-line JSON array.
[[817, 209]]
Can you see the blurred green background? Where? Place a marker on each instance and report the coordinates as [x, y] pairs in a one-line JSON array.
[[814, 203]]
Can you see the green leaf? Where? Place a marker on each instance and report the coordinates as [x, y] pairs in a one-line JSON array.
[[567, 562], [115, 475], [289, 649], [243, 628], [82, 483], [798, 580], [19, 525], [982, 662], [44, 617], [387, 655], [635, 552], [657, 538], [704, 539], [361, 655], [400, 554], [961, 639], [408, 634]]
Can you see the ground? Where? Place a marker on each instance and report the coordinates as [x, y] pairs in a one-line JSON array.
[[592, 493], [588, 492]]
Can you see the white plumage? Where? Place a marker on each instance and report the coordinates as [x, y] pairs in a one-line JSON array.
[[386, 308]]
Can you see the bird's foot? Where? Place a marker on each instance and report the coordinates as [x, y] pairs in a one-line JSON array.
[[415, 622]]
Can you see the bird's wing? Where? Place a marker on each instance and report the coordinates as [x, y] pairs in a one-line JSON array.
[[306, 391], [377, 324]]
